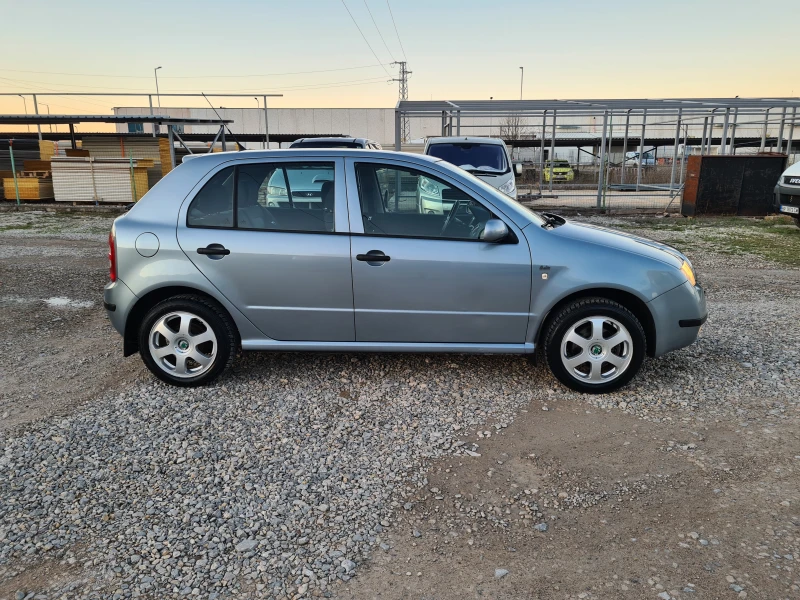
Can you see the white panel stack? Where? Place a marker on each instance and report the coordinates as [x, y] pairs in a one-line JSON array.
[[89, 179]]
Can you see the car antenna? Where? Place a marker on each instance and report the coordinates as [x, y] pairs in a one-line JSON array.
[[223, 124]]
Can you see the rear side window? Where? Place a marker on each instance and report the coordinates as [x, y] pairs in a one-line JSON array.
[[213, 205], [272, 196]]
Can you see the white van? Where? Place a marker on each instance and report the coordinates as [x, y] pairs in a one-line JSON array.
[[632, 159], [486, 158], [787, 193]]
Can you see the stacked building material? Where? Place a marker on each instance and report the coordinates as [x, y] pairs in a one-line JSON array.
[[82, 179], [30, 188]]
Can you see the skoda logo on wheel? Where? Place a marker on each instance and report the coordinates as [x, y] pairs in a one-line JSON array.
[[597, 350]]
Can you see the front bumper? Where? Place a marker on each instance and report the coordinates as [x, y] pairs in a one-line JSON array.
[[786, 196], [678, 315], [121, 298]]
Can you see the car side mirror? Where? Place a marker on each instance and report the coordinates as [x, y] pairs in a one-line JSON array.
[[518, 170], [494, 231]]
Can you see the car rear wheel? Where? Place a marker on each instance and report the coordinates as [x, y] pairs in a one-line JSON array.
[[594, 345], [187, 340]]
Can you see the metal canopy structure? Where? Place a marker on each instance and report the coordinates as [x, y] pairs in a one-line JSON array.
[[680, 112], [170, 122], [73, 119]]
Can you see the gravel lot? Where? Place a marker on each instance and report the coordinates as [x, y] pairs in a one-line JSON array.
[[394, 475]]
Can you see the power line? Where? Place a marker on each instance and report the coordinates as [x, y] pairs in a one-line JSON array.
[[378, 30], [379, 64], [363, 36], [395, 30], [27, 82]]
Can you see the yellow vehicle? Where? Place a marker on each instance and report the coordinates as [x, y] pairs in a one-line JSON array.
[[561, 170]]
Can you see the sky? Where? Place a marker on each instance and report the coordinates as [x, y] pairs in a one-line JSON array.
[[313, 53]]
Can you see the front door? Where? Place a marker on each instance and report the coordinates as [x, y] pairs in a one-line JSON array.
[[276, 257], [421, 273]]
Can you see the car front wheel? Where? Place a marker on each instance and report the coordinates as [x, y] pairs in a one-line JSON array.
[[187, 340], [594, 345]]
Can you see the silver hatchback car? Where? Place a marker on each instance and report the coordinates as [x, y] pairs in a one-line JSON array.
[[210, 262]]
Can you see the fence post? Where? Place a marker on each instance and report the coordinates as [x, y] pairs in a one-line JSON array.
[[602, 160], [733, 130], [675, 151], [625, 146], [724, 140], [552, 149], [641, 151], [541, 153], [13, 170], [703, 137], [764, 132], [779, 147], [133, 177], [789, 138]]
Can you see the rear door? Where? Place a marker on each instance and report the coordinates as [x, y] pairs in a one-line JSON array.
[[418, 278], [283, 261]]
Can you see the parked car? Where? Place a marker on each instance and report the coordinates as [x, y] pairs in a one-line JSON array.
[[561, 169], [632, 159], [486, 158], [335, 142], [787, 193], [200, 268]]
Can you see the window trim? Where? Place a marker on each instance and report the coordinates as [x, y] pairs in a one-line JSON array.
[[354, 191], [280, 164]]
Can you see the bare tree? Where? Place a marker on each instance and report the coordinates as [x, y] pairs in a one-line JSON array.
[[511, 128]]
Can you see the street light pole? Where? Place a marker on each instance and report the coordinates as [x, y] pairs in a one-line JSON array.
[[521, 76], [155, 71], [26, 108]]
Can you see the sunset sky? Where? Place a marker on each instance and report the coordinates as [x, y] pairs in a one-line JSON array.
[[313, 53]]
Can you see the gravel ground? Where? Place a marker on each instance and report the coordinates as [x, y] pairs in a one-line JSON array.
[[295, 472]]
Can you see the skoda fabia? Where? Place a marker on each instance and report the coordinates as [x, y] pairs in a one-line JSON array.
[[208, 263]]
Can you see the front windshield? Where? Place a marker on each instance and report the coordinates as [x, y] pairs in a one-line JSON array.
[[472, 157]]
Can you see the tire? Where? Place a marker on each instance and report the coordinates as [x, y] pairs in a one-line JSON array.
[[571, 335], [797, 221], [187, 340]]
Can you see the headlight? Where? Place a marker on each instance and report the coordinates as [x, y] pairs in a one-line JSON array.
[[686, 269], [508, 187], [429, 187], [274, 190]]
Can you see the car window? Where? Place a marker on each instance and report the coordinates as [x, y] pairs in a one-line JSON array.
[[408, 203], [286, 197], [213, 205]]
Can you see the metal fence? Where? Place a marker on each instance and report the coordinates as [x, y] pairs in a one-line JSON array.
[[612, 155]]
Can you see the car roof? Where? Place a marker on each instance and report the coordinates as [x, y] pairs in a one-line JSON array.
[[211, 159], [461, 139], [332, 139]]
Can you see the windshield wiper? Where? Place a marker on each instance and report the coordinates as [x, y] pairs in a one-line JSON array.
[[551, 221], [481, 172]]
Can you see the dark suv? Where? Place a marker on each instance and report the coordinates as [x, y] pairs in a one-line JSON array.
[[336, 142]]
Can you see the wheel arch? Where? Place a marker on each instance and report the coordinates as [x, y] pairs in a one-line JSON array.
[[630, 301], [149, 300]]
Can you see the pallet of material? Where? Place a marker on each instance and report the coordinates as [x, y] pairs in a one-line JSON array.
[[81, 179], [36, 165], [30, 188], [47, 149]]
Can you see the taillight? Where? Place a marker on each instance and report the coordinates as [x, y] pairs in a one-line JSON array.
[[112, 256]]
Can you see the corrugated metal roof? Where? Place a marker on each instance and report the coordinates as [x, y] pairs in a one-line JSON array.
[[659, 104], [67, 119]]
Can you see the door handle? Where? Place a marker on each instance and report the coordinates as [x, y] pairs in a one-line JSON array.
[[373, 256], [214, 250]]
